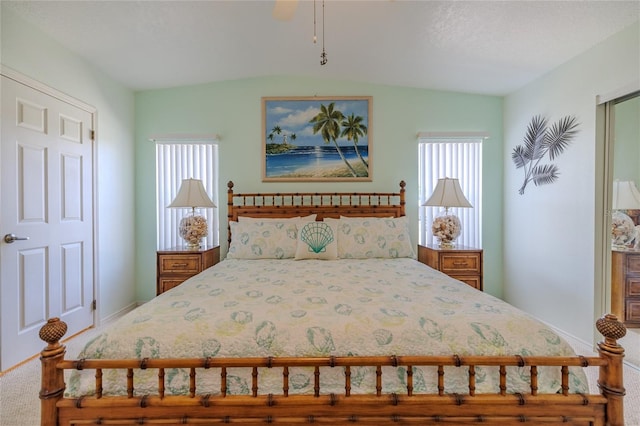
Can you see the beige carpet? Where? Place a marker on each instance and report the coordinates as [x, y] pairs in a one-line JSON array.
[[631, 383], [19, 388], [20, 406]]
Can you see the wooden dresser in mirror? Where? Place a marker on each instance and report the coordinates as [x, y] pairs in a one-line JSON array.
[[625, 280]]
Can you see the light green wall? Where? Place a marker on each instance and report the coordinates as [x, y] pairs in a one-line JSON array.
[[626, 152], [553, 233], [30, 52], [232, 109]]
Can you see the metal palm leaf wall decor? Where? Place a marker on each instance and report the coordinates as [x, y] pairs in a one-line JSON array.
[[539, 141]]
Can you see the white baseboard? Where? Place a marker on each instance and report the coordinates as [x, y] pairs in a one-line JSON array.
[[586, 345], [114, 316]]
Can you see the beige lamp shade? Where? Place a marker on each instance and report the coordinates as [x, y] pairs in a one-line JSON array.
[[625, 195], [191, 194], [446, 227], [448, 193], [192, 228]]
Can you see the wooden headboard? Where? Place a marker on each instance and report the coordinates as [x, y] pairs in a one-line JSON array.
[[323, 204]]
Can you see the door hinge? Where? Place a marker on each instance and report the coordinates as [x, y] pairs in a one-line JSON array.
[[93, 305], [92, 135]]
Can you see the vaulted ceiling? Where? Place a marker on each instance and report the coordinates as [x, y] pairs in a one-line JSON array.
[[488, 47]]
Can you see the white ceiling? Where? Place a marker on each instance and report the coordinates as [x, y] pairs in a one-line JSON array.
[[488, 47]]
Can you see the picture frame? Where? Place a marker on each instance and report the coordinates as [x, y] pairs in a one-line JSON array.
[[317, 139]]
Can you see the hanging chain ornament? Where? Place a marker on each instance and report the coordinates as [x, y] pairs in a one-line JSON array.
[[323, 55]]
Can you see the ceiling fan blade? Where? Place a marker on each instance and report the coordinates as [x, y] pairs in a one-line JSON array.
[[284, 10]]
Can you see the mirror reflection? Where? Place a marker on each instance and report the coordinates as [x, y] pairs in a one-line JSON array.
[[625, 221]]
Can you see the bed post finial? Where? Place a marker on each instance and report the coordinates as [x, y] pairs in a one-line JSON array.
[[402, 200], [229, 210], [52, 387], [610, 379]]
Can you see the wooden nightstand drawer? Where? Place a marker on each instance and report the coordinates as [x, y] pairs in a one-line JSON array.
[[473, 281], [177, 264], [462, 263], [625, 286], [633, 264], [632, 314], [633, 287], [166, 284], [187, 264], [453, 263]]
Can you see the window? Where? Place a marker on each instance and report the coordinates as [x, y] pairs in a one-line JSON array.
[[183, 158], [454, 157]]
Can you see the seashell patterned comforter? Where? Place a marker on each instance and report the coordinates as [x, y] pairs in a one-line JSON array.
[[242, 308]]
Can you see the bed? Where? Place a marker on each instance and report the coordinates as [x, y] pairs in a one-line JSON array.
[[321, 314]]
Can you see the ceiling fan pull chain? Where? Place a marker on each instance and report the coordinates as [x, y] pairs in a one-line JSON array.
[[323, 55], [315, 39]]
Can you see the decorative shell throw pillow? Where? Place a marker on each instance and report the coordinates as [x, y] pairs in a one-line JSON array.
[[374, 237], [263, 240], [317, 240]]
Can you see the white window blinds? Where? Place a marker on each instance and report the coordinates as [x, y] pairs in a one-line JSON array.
[[178, 159], [452, 157]]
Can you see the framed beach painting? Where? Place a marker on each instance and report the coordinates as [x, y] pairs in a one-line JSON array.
[[316, 138]]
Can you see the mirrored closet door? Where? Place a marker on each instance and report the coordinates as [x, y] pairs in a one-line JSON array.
[[624, 151]]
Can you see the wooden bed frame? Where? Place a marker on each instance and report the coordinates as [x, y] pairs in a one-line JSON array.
[[215, 406]]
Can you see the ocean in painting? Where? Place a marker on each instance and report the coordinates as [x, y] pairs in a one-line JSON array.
[[312, 160]]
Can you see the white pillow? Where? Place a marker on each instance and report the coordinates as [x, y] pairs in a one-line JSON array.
[[361, 238], [276, 219], [263, 240], [317, 240]]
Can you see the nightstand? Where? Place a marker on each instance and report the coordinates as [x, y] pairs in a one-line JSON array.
[[177, 264], [462, 263], [625, 286]]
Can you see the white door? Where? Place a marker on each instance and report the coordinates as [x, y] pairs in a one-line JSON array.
[[46, 203]]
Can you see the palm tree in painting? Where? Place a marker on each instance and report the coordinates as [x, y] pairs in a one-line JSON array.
[[275, 131], [327, 122], [293, 137], [270, 137], [353, 129]]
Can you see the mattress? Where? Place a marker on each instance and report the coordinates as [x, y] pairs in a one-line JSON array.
[[345, 307]]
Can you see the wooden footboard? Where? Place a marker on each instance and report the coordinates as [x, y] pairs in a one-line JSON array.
[[212, 406]]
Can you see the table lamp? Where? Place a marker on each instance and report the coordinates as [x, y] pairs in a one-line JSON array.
[[192, 227], [446, 226]]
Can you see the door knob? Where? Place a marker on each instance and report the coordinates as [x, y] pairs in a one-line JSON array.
[[9, 238]]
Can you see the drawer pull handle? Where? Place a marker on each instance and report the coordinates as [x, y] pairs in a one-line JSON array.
[[179, 264], [463, 263]]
